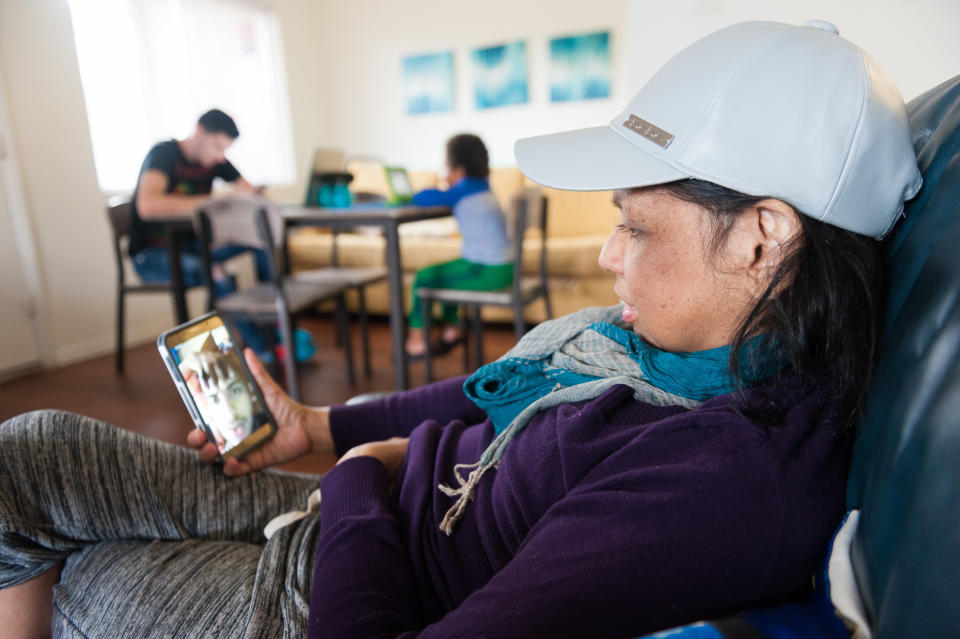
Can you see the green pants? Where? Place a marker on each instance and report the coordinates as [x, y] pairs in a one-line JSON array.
[[459, 274]]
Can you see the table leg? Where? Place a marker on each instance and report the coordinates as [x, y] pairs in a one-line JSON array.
[[398, 319], [177, 288]]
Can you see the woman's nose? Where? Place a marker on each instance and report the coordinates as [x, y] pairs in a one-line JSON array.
[[611, 255]]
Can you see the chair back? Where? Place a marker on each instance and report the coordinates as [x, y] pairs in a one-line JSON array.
[[250, 225], [528, 210], [119, 212], [905, 476], [278, 267]]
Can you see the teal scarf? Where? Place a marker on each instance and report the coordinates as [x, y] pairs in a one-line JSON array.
[[579, 356], [588, 346]]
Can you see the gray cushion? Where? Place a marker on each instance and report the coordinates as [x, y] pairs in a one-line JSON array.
[[262, 299], [350, 277], [529, 288]]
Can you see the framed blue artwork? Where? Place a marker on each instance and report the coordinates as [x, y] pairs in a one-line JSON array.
[[500, 75], [428, 83], [580, 67]]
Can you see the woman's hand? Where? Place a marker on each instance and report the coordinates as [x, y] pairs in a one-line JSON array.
[[390, 452], [300, 429]]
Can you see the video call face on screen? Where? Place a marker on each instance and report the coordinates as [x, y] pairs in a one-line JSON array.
[[211, 368]]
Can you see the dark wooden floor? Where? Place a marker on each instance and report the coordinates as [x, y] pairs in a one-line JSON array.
[[144, 399]]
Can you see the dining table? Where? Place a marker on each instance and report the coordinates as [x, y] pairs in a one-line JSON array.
[[388, 218]]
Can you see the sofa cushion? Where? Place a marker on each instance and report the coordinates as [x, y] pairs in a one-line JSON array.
[[575, 213], [566, 256], [505, 182]]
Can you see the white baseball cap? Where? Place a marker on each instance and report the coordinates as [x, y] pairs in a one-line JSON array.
[[763, 108]]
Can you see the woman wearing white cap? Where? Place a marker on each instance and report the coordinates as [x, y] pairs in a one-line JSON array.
[[681, 456]]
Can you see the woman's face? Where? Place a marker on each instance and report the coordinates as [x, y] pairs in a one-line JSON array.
[[239, 399], [678, 295]]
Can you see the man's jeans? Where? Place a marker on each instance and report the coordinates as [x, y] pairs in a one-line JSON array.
[[153, 265]]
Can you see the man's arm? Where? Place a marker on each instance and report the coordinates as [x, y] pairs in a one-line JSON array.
[[240, 185], [154, 201], [227, 172]]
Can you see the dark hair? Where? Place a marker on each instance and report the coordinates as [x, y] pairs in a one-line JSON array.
[[822, 310], [468, 151], [216, 121]]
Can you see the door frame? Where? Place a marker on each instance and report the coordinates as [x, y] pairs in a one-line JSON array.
[[23, 235]]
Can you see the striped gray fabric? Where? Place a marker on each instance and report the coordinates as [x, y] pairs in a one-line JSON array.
[[483, 228], [156, 544]]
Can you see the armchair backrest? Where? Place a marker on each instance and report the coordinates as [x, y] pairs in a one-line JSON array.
[[905, 476]]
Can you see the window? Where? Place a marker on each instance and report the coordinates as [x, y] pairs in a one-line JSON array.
[[150, 68]]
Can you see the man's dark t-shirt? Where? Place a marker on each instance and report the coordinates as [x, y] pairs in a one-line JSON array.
[[183, 178]]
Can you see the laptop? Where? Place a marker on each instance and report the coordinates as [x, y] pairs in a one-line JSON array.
[[401, 190]]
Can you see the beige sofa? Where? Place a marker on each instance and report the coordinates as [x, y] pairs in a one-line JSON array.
[[578, 224]]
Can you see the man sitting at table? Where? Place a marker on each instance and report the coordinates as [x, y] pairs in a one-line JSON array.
[[175, 178]]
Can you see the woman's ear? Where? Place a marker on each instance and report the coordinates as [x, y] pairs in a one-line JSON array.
[[763, 233], [777, 226]]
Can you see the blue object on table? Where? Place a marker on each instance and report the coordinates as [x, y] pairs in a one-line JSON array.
[[330, 190]]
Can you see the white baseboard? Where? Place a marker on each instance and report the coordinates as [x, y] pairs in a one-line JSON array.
[[143, 325], [104, 344]]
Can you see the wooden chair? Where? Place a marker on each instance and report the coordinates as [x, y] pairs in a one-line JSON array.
[[283, 298], [119, 215], [356, 279], [528, 210]]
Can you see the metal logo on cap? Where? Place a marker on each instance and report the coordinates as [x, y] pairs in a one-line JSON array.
[[652, 132]]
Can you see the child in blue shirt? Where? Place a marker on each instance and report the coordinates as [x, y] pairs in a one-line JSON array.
[[485, 258]]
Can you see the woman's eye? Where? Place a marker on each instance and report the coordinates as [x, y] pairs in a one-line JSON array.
[[634, 232]]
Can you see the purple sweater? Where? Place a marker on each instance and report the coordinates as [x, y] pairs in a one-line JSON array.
[[605, 518]]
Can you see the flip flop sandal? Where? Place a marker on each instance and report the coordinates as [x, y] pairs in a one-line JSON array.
[[443, 347]]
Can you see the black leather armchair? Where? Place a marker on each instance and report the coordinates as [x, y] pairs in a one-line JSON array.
[[905, 477]]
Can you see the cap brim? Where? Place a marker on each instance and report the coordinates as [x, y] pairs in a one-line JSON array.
[[594, 159]]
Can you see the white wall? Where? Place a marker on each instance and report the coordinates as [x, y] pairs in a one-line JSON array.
[[59, 183], [38, 65], [914, 40], [366, 40]]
